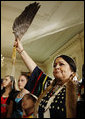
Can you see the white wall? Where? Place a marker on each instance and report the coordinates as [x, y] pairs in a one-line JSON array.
[[19, 67]]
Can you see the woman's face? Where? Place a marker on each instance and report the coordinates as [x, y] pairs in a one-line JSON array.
[[61, 70], [6, 81], [22, 82], [27, 103]]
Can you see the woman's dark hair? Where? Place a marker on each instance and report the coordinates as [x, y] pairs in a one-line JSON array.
[[1, 80], [69, 60], [27, 76]]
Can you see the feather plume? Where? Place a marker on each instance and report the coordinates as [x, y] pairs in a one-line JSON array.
[[24, 20], [22, 23]]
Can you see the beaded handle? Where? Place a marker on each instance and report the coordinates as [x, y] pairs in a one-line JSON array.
[[14, 55]]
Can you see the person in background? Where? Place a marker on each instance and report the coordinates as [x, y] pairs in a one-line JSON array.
[[7, 92], [1, 83], [83, 84], [15, 109], [81, 97], [28, 104], [53, 104]]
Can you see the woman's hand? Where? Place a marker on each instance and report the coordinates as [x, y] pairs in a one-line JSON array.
[[18, 45], [24, 91], [71, 82]]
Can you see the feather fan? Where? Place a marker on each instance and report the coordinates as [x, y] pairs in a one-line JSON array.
[[24, 20], [22, 23]]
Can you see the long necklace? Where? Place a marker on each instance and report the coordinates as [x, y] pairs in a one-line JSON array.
[[51, 99]]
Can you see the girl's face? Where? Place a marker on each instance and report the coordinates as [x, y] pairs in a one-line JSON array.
[[22, 82], [27, 103], [61, 70], [7, 82]]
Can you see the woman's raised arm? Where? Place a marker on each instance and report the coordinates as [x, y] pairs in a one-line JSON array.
[[26, 58]]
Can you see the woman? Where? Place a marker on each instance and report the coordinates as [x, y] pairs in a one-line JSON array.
[[28, 103], [15, 109], [54, 103], [6, 93]]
